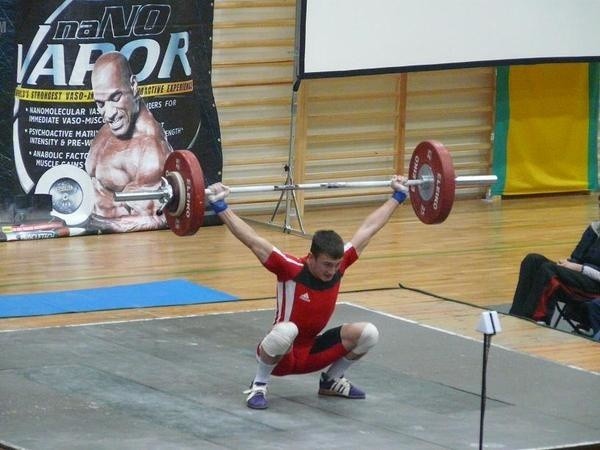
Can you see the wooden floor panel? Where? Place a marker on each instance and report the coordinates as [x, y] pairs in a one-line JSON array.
[[473, 258]]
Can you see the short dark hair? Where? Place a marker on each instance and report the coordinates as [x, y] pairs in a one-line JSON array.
[[327, 242]]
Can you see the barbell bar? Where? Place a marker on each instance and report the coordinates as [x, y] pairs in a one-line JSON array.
[[432, 184], [164, 192]]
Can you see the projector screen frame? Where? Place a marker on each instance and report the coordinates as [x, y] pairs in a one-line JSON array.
[[301, 54]]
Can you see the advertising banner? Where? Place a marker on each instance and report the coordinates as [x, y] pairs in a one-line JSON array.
[[103, 92]]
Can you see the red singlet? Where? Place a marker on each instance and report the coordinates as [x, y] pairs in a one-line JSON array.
[[309, 303]]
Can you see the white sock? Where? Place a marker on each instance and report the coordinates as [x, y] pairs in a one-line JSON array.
[[263, 371], [338, 368]]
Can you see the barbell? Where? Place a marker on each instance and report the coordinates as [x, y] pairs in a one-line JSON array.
[[432, 185]]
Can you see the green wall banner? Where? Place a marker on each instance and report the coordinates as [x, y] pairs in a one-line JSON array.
[[546, 128]]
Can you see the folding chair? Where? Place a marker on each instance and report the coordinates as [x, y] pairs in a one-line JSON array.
[[574, 313]]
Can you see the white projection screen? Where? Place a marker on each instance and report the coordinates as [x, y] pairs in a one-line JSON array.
[[354, 37]]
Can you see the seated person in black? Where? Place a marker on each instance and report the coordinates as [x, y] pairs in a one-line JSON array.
[[541, 280]]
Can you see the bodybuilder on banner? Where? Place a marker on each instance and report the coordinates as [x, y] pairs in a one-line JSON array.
[[128, 153]]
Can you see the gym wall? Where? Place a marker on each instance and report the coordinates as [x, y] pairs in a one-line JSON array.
[[365, 127], [347, 128]]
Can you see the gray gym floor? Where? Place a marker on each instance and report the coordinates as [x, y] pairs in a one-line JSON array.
[[177, 384]]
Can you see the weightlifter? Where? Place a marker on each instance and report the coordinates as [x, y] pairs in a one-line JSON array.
[[307, 290], [129, 151]]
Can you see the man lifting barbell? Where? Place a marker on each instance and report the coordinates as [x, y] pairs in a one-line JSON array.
[[307, 290], [307, 287]]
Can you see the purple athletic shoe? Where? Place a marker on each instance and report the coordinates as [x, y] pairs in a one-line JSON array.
[[257, 396], [339, 387]]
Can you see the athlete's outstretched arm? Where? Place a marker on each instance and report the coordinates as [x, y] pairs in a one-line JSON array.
[[378, 218], [240, 229]]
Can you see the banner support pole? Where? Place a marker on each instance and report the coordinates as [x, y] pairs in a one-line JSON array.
[[288, 197]]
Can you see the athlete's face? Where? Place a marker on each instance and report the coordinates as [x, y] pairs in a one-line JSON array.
[[115, 100], [323, 266]]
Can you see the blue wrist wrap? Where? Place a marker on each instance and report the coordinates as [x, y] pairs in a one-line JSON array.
[[399, 196], [219, 206]]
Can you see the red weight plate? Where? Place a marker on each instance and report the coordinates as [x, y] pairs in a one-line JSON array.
[[188, 192], [432, 201]]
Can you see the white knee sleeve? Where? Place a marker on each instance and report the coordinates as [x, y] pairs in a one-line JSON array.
[[279, 339], [368, 338]]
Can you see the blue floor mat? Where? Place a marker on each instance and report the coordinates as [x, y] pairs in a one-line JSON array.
[[159, 293]]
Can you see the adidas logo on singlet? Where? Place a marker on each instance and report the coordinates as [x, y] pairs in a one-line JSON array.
[[305, 297]]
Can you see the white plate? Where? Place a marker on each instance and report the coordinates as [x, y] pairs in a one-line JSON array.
[[72, 193]]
